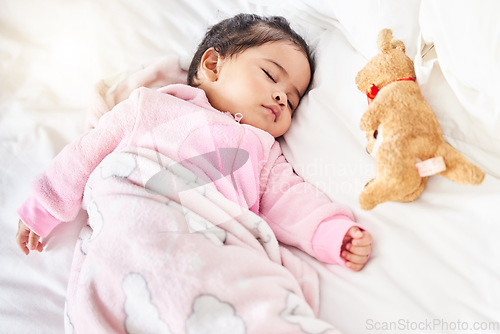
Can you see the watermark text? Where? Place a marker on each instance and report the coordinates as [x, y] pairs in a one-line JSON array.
[[437, 325]]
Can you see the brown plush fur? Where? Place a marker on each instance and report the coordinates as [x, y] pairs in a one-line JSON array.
[[406, 128]]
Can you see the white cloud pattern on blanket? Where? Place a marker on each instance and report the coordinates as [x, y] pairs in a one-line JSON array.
[[196, 224], [84, 236], [89, 233], [297, 311], [120, 165], [142, 315], [213, 316]]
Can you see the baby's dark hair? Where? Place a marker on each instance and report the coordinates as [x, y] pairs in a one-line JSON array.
[[243, 31]]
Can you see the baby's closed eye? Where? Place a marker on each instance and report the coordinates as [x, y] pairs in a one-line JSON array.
[[269, 75]]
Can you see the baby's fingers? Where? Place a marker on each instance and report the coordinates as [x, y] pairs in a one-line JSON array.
[[27, 240], [33, 242], [22, 237], [355, 258], [359, 250], [355, 233], [365, 240], [354, 266]]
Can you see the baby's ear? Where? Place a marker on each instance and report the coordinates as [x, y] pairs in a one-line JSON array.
[[209, 67]]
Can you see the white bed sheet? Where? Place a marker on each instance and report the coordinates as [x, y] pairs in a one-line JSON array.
[[435, 264]]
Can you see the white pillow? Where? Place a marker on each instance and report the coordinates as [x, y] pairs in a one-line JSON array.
[[361, 20], [466, 37], [325, 144]]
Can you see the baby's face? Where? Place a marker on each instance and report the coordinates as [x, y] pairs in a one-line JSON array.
[[264, 84]]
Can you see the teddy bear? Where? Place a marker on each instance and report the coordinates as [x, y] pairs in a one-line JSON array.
[[403, 133]]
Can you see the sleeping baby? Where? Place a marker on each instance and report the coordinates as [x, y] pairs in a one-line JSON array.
[[190, 199]]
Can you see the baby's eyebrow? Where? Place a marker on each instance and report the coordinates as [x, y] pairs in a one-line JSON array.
[[282, 69]]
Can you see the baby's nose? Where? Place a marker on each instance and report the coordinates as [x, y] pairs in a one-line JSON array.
[[281, 98]]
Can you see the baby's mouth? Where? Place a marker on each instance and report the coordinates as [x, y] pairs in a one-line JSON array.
[[275, 110]]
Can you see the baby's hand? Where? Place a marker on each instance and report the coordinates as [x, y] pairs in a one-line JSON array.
[[356, 248], [27, 239]]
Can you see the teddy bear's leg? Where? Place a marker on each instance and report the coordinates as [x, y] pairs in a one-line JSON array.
[[458, 168], [416, 194], [397, 180]]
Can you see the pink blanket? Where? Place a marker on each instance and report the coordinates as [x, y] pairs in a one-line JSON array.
[[178, 257], [111, 91]]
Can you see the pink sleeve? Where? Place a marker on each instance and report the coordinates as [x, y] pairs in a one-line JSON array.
[[36, 217], [58, 192], [328, 237], [301, 215]]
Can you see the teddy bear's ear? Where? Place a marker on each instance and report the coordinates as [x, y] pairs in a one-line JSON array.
[[384, 40], [395, 44]]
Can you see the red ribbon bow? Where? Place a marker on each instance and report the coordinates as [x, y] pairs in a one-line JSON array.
[[372, 92]]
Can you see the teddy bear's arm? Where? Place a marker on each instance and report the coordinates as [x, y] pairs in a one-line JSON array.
[[371, 117]]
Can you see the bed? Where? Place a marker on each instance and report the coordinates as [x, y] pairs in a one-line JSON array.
[[435, 265]]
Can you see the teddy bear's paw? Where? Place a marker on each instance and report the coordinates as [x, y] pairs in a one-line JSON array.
[[367, 122], [366, 202], [477, 176], [467, 174], [458, 168]]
